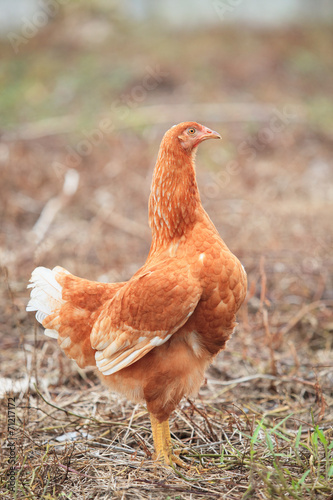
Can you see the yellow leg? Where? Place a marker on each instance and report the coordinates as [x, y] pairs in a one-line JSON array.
[[162, 443]]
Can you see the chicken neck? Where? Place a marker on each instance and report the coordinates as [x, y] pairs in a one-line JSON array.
[[174, 200]]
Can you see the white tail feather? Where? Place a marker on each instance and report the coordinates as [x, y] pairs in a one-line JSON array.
[[40, 316], [46, 294], [51, 333]]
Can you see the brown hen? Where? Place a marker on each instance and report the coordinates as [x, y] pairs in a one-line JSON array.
[[152, 337]]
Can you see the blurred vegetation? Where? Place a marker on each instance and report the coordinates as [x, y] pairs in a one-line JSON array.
[[90, 55], [262, 426]]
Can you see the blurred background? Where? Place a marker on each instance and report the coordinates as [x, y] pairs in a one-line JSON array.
[[87, 91]]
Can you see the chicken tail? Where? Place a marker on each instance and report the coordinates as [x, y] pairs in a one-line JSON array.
[[46, 295], [54, 298]]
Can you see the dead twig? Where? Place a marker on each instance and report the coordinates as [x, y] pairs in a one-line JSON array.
[[302, 312], [125, 224], [54, 205]]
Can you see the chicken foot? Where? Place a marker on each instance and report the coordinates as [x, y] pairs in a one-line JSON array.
[[163, 446]]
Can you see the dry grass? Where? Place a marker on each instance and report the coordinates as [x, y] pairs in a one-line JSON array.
[[261, 426], [257, 435]]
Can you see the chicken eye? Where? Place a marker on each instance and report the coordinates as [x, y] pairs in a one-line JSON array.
[[191, 131]]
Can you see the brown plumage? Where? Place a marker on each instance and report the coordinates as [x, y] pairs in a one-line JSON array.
[[151, 338]]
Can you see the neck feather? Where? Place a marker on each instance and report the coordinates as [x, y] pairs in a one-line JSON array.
[[174, 197]]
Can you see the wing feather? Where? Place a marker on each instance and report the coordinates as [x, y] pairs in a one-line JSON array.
[[144, 314]]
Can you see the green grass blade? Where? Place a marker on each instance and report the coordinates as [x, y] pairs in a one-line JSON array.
[[303, 478], [298, 437]]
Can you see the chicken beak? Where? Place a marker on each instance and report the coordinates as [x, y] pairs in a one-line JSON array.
[[209, 134]]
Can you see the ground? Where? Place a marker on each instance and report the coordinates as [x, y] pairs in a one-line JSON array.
[[85, 104]]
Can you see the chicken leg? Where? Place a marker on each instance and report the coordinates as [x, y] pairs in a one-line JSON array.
[[162, 443]]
